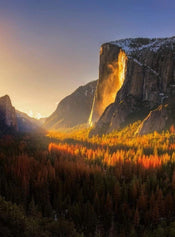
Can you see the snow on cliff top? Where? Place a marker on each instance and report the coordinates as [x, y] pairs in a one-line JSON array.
[[137, 44]]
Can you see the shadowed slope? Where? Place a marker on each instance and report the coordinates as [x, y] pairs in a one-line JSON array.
[[73, 109]]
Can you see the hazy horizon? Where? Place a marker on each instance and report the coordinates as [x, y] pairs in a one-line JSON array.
[[48, 49]]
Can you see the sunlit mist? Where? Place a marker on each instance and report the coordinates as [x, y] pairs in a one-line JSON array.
[[31, 114]]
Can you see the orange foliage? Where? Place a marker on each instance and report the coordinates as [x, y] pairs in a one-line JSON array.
[[110, 159], [122, 147]]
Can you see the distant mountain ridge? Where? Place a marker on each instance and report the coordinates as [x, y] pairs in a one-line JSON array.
[[73, 109], [12, 120], [27, 123]]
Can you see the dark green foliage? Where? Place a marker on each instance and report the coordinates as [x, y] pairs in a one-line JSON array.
[[58, 194]]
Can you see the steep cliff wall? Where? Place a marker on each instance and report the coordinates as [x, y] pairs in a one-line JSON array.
[[7, 114], [111, 77], [149, 79]]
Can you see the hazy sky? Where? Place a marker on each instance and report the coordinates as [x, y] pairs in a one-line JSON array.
[[50, 47]]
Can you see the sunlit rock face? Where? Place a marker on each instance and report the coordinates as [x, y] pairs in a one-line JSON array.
[[148, 82], [111, 78]]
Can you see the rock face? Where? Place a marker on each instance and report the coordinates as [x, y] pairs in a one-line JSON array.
[[111, 77], [155, 121], [7, 114], [12, 120], [74, 109], [148, 79], [161, 118]]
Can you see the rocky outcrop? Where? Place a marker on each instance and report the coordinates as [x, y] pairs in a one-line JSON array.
[[149, 79], [159, 119], [155, 121], [73, 109], [7, 114]]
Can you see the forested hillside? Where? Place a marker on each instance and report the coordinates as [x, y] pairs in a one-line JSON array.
[[66, 184]]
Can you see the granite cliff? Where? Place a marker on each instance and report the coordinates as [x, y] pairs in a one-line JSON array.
[[140, 73], [12, 120], [8, 119]]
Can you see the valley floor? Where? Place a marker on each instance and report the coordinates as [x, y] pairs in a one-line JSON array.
[[66, 184]]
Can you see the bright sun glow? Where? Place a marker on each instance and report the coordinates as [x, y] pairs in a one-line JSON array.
[[34, 115]]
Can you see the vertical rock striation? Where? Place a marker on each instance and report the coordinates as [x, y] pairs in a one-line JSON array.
[[111, 77], [148, 81]]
